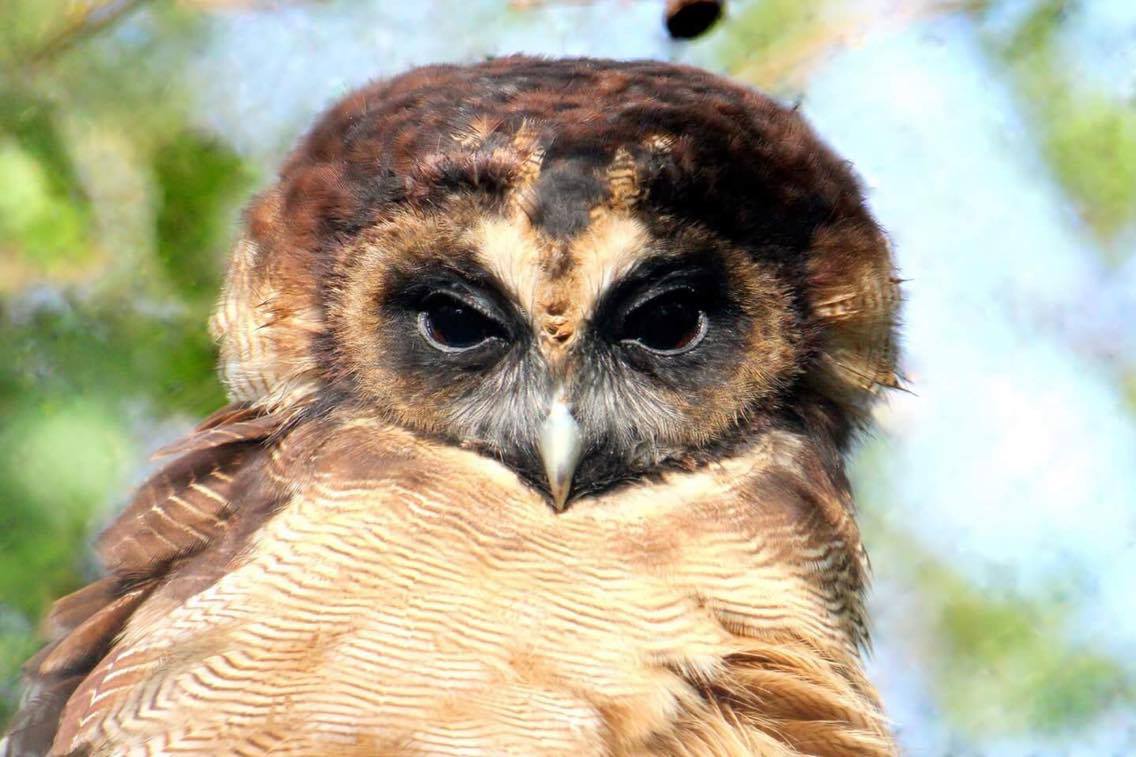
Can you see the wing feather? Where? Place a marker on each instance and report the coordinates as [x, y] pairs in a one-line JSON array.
[[180, 512]]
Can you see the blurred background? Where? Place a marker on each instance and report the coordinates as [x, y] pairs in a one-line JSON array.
[[997, 141]]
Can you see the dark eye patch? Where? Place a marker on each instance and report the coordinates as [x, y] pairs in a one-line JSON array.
[[666, 307], [449, 319], [452, 324], [669, 322]]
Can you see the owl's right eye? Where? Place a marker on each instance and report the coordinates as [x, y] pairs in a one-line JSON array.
[[454, 325]]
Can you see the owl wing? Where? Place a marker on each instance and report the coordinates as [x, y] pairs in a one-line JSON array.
[[180, 523]]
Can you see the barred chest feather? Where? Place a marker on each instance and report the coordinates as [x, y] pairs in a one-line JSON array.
[[418, 599]]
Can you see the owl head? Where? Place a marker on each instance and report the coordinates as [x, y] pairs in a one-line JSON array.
[[591, 271]]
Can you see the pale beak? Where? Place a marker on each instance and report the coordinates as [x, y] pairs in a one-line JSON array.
[[561, 445]]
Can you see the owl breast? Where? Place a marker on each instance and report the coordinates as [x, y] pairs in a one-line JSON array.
[[414, 598]]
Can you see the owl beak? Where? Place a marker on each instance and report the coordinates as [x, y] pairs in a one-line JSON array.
[[561, 445]]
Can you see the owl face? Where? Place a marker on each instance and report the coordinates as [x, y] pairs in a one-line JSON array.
[[579, 361], [589, 271]]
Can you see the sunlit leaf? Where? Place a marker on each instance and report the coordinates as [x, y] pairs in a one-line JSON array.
[[200, 182]]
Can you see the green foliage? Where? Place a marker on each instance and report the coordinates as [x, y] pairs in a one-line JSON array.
[[1088, 138], [59, 457], [1128, 387], [770, 42], [31, 121], [44, 216], [26, 24], [17, 642], [42, 226], [1003, 662], [1091, 144], [199, 182], [104, 295], [77, 377], [113, 350], [1006, 669]]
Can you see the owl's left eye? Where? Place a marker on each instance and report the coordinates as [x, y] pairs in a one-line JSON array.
[[669, 323], [453, 325]]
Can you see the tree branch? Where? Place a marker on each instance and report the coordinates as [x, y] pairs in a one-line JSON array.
[[93, 18]]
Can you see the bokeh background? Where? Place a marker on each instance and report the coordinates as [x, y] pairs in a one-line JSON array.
[[997, 141]]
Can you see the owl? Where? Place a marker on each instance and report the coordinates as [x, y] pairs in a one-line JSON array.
[[542, 375]]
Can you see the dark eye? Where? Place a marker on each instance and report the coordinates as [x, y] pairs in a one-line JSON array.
[[668, 324], [452, 325]]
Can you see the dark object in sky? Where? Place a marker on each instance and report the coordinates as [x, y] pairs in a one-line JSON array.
[[687, 19]]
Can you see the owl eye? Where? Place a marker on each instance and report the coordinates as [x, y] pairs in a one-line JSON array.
[[453, 325], [667, 324]]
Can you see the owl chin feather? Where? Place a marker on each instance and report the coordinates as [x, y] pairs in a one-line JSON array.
[[542, 378]]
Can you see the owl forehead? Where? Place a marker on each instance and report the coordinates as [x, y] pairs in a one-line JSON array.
[[558, 282], [553, 232], [566, 233]]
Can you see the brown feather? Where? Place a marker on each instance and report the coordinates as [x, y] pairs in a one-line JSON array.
[[174, 515], [360, 489], [88, 642], [73, 609], [346, 561]]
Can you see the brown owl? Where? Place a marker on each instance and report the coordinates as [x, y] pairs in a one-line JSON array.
[[542, 376]]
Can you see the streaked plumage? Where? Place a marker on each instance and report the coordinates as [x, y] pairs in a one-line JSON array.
[[559, 539]]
